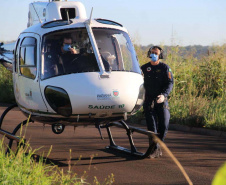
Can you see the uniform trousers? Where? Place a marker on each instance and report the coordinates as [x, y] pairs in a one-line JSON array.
[[157, 117]]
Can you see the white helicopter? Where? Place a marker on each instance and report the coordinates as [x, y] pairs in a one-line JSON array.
[[100, 84]]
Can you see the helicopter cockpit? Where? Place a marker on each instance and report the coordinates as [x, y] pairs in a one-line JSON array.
[[115, 48]]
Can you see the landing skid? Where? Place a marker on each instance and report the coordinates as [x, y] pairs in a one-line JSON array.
[[130, 129], [12, 136], [121, 124]]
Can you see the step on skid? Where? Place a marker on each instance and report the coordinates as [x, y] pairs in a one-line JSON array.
[[130, 129]]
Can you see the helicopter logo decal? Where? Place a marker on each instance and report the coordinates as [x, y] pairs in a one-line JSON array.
[[108, 96], [103, 96], [115, 93]]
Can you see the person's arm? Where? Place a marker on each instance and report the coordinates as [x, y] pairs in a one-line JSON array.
[[169, 83]]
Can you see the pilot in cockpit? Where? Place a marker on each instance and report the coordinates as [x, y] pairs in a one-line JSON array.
[[67, 54], [78, 60], [67, 46]]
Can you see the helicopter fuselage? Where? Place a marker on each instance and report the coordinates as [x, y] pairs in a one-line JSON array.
[[100, 83], [70, 70]]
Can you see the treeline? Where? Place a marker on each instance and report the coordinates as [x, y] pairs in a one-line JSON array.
[[198, 51]]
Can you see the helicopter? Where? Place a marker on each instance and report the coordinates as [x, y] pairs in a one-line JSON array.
[[100, 84]]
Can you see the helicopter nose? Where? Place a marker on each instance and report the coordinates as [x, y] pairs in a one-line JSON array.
[[106, 98], [86, 94]]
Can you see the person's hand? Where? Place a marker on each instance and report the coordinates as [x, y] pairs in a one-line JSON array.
[[73, 51], [161, 98]]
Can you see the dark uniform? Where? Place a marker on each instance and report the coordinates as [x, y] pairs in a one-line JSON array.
[[158, 79]]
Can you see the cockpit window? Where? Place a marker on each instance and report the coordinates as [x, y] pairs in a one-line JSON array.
[[70, 51], [56, 23], [105, 21], [66, 52], [116, 49]]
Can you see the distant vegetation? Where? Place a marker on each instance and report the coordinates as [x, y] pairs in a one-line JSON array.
[[198, 97], [6, 86], [196, 51]]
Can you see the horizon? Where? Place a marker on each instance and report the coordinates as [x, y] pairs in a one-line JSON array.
[[13, 41]]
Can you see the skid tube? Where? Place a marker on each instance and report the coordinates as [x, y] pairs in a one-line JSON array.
[[130, 129], [12, 136]]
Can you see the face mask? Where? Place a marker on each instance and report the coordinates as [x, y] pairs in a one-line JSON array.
[[154, 57], [66, 47]]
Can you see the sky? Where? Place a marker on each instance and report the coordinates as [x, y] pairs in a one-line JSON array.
[[167, 22]]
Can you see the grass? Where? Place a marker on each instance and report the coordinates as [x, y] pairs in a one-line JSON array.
[[6, 86], [198, 112], [27, 168]]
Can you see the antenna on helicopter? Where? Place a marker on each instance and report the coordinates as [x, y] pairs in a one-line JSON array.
[[90, 16], [36, 13], [68, 20]]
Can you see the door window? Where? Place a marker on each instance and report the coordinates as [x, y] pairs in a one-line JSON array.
[[27, 58]]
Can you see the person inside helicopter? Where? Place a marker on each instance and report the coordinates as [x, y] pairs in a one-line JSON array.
[[70, 51], [68, 54], [67, 46], [55, 55], [70, 58]]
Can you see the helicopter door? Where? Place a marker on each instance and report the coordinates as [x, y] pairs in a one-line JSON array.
[[26, 76]]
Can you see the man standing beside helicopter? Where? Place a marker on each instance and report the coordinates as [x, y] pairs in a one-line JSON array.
[[158, 83]]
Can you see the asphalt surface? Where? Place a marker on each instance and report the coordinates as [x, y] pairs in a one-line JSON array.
[[200, 155]]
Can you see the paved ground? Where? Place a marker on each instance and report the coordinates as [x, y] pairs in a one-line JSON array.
[[200, 155]]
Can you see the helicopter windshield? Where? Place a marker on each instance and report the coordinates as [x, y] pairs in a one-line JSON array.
[[116, 49], [66, 52], [70, 51]]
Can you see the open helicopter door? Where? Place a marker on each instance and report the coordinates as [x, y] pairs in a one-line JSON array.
[[26, 73]]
